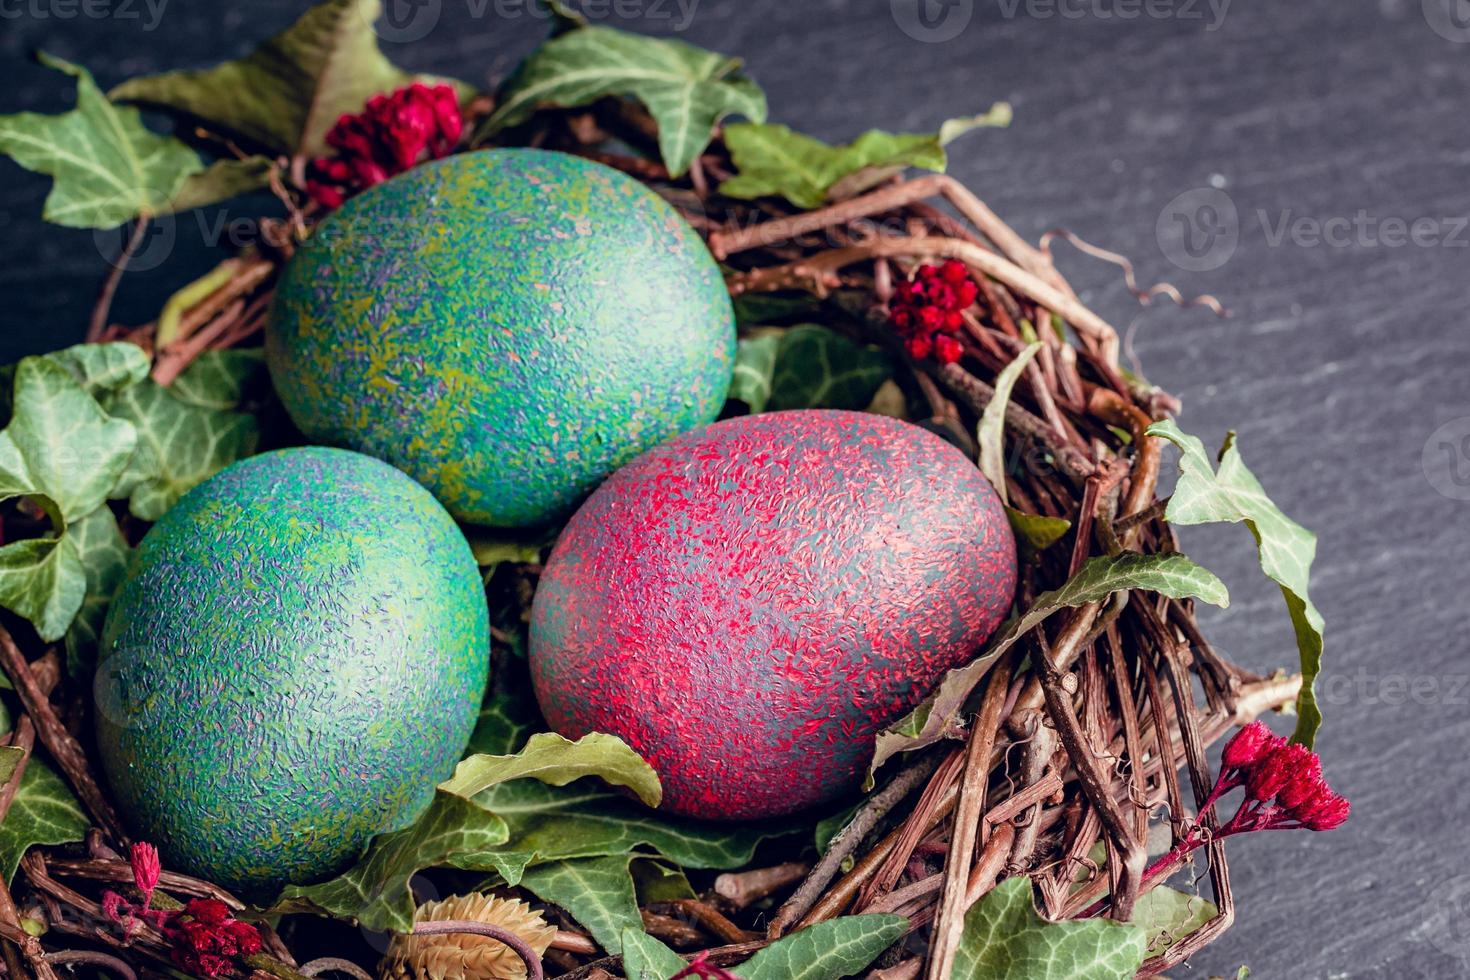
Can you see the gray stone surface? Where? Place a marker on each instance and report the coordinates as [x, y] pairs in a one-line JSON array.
[[1346, 355]]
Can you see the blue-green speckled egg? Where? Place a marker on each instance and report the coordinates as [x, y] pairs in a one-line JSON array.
[[506, 326], [295, 659]]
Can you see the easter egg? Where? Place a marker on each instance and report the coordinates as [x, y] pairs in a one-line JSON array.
[[296, 657], [749, 604], [506, 326]]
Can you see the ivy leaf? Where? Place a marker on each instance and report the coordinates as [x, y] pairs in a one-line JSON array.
[[556, 761], [1005, 939], [754, 309], [285, 95], [221, 181], [218, 378], [1037, 532], [1172, 575], [507, 719], [772, 160], [375, 892], [107, 166], [597, 892], [1166, 916], [103, 367], [820, 368], [991, 433], [182, 442], [755, 365], [826, 951], [44, 812], [645, 958], [687, 90], [1232, 494], [102, 552], [655, 881]]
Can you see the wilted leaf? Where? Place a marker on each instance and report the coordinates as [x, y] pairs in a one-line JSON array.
[[645, 958], [687, 90], [991, 433], [1232, 494], [452, 832], [1167, 916], [103, 553], [556, 761], [285, 95], [1005, 939], [180, 442], [44, 812], [597, 892], [826, 951], [1036, 532], [755, 364], [776, 161], [1167, 574], [221, 181], [107, 167], [819, 368]]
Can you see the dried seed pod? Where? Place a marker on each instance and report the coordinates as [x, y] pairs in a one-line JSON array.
[[463, 956]]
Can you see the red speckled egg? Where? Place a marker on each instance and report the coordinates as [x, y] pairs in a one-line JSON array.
[[749, 604]]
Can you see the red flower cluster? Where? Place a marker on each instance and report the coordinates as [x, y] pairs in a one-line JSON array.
[[393, 133], [928, 310], [1283, 784], [204, 936]]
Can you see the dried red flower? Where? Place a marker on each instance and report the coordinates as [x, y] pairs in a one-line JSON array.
[[205, 937], [393, 133], [1248, 745], [146, 869], [928, 310]]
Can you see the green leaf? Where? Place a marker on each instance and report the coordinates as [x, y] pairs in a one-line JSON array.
[[10, 756], [1167, 574], [44, 812], [597, 892], [645, 958], [103, 367], [991, 432], [102, 552], [687, 90], [755, 364], [556, 761], [181, 442], [819, 368], [285, 95], [1232, 494], [1166, 916], [1036, 532], [655, 881], [826, 951], [1005, 939], [754, 309], [108, 168], [492, 546], [221, 181], [218, 378], [508, 717], [375, 892], [772, 160], [42, 579]]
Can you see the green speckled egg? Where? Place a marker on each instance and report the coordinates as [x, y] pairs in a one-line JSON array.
[[295, 659], [506, 326]]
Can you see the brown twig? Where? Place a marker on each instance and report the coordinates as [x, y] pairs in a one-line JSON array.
[[97, 323]]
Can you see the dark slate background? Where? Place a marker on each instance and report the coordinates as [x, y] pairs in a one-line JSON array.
[[1293, 141]]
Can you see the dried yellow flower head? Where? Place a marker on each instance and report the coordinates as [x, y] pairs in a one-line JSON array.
[[461, 956]]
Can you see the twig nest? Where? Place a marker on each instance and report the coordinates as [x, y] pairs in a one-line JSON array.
[[462, 956]]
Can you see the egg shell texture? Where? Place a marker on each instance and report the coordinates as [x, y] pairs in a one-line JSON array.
[[506, 326], [295, 659], [749, 604]]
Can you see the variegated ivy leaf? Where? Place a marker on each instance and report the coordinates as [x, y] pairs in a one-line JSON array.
[[597, 892], [1172, 575], [1005, 939], [186, 432], [776, 161], [285, 95], [687, 90], [44, 812], [1232, 494], [107, 167], [103, 553]]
